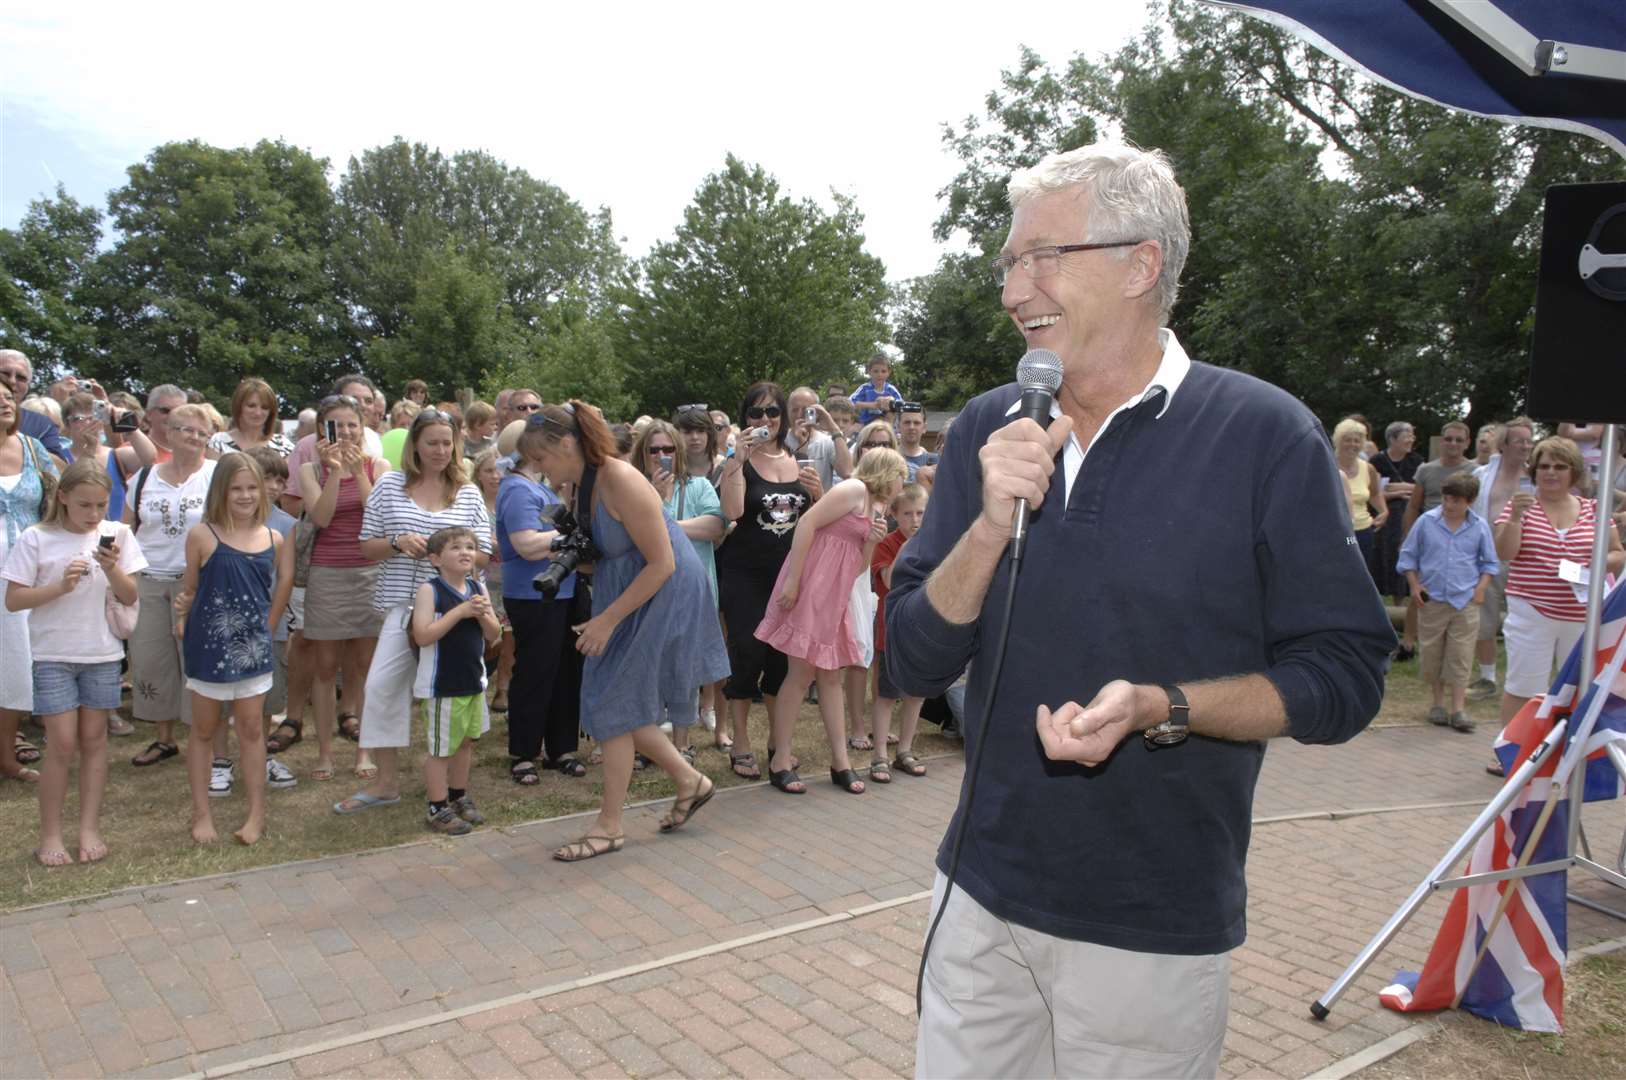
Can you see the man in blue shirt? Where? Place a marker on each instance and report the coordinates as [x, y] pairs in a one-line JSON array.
[[1449, 560], [16, 372], [1191, 590], [877, 392]]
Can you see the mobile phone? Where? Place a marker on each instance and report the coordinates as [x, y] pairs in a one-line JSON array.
[[810, 415], [330, 429], [105, 543]]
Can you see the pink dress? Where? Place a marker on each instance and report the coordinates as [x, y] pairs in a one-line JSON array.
[[819, 628]]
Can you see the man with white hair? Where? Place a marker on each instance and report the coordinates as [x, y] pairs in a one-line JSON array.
[[1189, 572], [819, 439], [161, 401], [17, 373]]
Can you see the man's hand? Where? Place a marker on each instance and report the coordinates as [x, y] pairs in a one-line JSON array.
[[1017, 461], [1088, 734]]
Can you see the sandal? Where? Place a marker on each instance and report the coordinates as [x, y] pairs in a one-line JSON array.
[[571, 766], [364, 772], [524, 773], [908, 764], [118, 726], [322, 773], [744, 765], [687, 753], [847, 780], [784, 779], [27, 752], [859, 742], [587, 848], [350, 727], [683, 809], [639, 762], [880, 771], [31, 776], [154, 753], [795, 762], [278, 742]]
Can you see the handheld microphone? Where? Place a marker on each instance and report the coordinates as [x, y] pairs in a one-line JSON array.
[[1039, 375]]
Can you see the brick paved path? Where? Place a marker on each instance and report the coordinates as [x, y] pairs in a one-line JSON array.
[[773, 936]]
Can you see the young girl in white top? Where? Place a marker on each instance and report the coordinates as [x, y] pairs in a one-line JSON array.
[[61, 571], [225, 616]]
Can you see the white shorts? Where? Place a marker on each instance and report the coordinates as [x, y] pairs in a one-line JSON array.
[[386, 713], [232, 691], [1536, 644]]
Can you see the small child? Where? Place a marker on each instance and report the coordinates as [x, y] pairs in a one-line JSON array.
[[225, 614], [452, 624], [488, 478], [1449, 559], [274, 474], [61, 570], [909, 510], [810, 618]]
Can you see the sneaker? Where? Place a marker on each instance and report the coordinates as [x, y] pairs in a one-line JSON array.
[[447, 823], [708, 719], [1437, 715], [1460, 721], [1481, 688], [220, 777], [118, 725], [666, 727], [466, 810], [277, 775]]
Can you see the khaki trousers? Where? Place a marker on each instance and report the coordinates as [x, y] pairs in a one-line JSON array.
[[1001, 1000]]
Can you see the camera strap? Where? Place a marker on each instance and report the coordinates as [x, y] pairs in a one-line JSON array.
[[584, 500]]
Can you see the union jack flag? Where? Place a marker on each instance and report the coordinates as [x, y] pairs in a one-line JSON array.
[[1520, 982]]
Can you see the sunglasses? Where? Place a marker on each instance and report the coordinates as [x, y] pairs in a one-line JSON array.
[[757, 412], [700, 407], [528, 407], [668, 450], [327, 402], [885, 442], [433, 416]]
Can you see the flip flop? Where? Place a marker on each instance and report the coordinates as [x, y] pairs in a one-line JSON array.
[[154, 753], [322, 774], [365, 772], [31, 776], [360, 801]]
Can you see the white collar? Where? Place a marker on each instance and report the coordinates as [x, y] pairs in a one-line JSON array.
[[1171, 372]]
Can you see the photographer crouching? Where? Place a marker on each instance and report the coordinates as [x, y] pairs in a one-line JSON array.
[[544, 696]]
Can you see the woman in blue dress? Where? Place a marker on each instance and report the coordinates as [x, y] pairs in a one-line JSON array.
[[651, 640]]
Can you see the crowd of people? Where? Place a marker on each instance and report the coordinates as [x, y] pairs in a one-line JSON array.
[[370, 568], [1475, 546]]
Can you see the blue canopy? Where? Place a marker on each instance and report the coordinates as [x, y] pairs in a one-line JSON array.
[[1421, 48]]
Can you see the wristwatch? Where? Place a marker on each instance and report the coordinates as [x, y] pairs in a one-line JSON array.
[[395, 542], [1173, 731]]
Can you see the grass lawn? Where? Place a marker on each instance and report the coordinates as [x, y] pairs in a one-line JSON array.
[[146, 812], [1593, 1044]]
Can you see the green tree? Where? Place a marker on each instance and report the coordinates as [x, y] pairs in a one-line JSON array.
[[47, 265], [1361, 249], [221, 270], [752, 285], [455, 326]]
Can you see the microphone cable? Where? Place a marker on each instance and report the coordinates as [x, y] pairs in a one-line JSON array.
[[964, 808]]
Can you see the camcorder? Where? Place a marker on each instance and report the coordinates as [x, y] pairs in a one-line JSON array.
[[572, 546]]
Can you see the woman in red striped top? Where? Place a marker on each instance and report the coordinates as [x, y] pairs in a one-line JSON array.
[[1533, 534]]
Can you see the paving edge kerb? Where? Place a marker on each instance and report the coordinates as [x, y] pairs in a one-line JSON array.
[[1397, 1042]]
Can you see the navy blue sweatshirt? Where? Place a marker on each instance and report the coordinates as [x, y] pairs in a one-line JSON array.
[[1209, 542]]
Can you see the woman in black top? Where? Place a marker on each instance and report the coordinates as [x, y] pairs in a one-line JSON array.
[[763, 494], [1397, 464]]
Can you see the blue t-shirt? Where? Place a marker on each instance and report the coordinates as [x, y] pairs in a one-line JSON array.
[[283, 522], [867, 393], [41, 427], [520, 501]]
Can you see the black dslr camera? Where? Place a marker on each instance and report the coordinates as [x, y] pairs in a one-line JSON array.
[[571, 547]]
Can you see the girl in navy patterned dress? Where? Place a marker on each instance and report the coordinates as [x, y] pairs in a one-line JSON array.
[[226, 615]]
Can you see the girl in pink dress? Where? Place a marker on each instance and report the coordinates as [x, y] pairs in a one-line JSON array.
[[808, 618]]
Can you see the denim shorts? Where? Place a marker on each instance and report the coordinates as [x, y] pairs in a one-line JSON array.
[[61, 686]]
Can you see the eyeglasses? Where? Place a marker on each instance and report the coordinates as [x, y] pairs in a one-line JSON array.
[[700, 407], [1044, 261], [191, 432], [1552, 466], [82, 418], [757, 412]]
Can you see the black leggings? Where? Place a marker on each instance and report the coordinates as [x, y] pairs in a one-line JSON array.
[[753, 662], [545, 694]]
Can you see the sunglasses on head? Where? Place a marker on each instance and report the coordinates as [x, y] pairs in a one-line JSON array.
[[327, 402], [700, 407], [757, 412], [433, 416]]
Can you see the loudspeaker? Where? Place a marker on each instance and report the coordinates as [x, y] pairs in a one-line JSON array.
[[1578, 350]]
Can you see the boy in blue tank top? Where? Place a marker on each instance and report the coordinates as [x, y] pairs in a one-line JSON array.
[[452, 623]]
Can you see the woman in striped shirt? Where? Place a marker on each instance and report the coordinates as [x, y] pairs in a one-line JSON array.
[[430, 492], [1534, 533]]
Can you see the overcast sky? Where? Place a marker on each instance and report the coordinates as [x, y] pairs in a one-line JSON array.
[[626, 106]]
